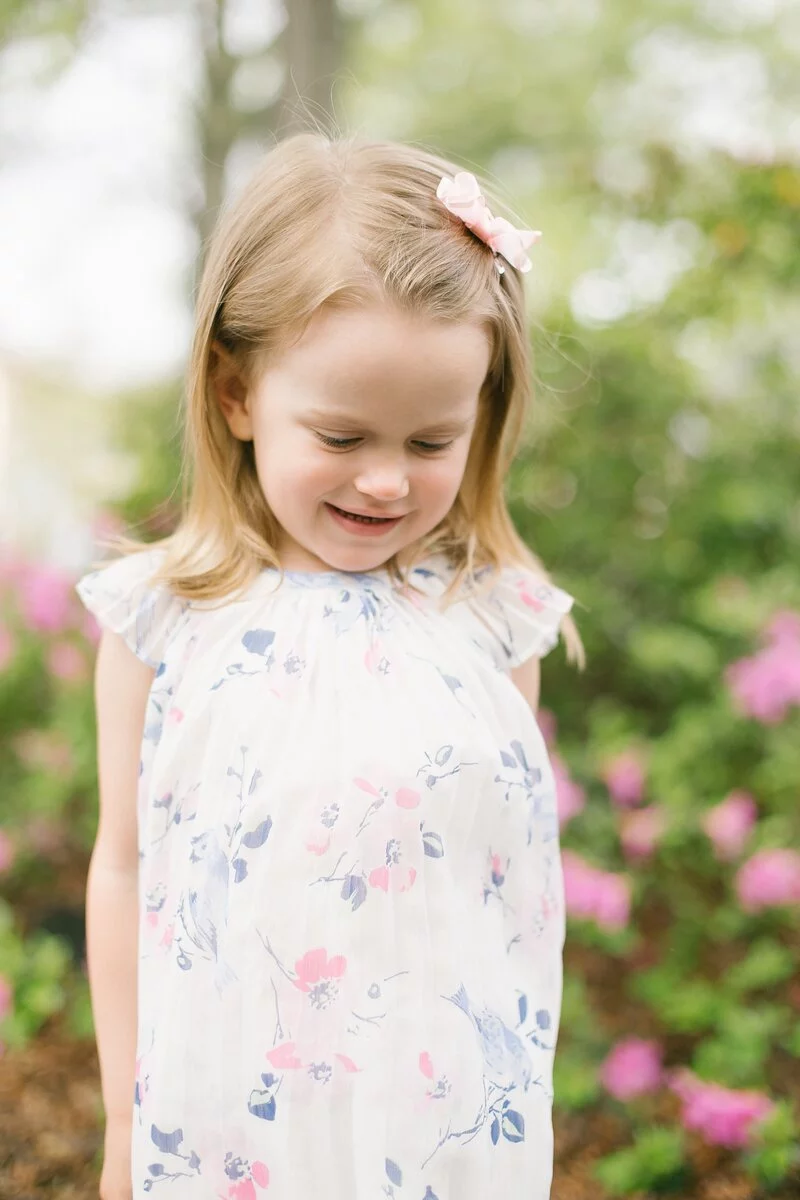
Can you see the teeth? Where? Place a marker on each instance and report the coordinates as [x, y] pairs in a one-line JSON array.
[[366, 520]]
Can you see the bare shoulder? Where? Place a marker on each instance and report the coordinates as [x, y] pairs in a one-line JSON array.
[[527, 678]]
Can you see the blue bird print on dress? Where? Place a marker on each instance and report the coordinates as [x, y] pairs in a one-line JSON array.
[[208, 909], [504, 1053]]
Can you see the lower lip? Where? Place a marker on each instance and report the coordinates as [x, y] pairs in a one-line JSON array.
[[363, 528]]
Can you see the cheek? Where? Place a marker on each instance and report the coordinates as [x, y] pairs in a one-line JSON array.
[[290, 469], [443, 479]]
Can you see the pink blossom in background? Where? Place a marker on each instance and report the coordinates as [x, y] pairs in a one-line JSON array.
[[44, 750], [624, 778], [12, 569], [632, 1067], [7, 852], [770, 877], [570, 796], [548, 725], [6, 647], [46, 599], [67, 662], [594, 894], [728, 824], [724, 1116], [46, 838], [783, 627], [640, 831], [6, 997], [765, 685]]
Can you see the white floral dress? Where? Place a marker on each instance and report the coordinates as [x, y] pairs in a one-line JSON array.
[[352, 912]]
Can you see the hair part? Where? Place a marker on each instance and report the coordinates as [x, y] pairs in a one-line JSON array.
[[343, 222]]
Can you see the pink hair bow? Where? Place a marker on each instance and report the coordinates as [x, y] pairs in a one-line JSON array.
[[462, 197]]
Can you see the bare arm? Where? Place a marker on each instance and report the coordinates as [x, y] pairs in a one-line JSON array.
[[528, 678], [122, 684]]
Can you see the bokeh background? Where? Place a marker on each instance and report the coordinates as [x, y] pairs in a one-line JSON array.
[[657, 144]]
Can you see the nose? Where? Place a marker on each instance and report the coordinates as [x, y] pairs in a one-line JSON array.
[[383, 481]]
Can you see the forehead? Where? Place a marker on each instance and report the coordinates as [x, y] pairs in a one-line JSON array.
[[357, 355]]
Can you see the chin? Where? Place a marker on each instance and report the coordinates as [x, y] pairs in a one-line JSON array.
[[357, 561]]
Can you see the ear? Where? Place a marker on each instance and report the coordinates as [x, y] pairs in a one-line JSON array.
[[231, 391]]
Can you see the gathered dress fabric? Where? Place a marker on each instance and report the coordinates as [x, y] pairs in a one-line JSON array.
[[351, 899]]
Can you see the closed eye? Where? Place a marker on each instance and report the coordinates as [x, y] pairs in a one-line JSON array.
[[337, 443], [341, 443]]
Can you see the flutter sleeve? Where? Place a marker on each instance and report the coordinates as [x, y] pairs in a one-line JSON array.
[[123, 599], [518, 617]]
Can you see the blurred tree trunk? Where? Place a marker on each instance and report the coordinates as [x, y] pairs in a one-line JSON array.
[[309, 47], [313, 47]]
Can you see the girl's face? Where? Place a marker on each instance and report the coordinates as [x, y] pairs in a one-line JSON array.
[[361, 431]]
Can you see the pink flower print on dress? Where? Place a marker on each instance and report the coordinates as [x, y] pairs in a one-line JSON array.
[[632, 1068], [394, 875], [729, 823], [284, 1057], [246, 1175], [407, 798], [376, 661], [319, 839], [316, 976], [442, 1086], [495, 876]]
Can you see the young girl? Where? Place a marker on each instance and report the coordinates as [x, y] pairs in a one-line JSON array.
[[318, 755]]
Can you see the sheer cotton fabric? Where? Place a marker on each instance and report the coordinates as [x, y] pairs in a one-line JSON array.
[[352, 912]]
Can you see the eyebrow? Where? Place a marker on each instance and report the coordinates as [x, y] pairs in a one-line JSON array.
[[332, 416]]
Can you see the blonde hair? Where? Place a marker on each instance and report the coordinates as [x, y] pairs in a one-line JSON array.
[[341, 222]]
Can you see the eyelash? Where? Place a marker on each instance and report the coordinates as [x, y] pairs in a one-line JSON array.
[[346, 443]]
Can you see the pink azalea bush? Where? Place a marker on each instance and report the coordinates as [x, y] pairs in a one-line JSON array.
[[729, 824], [595, 895], [7, 852], [67, 661], [632, 1068], [769, 878], [724, 1116], [46, 598], [641, 831], [624, 777], [570, 796], [765, 685]]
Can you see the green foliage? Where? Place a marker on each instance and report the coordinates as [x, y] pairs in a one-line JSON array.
[[778, 1149], [659, 483], [36, 969], [654, 1163]]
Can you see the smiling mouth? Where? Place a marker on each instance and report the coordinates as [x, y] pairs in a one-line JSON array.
[[362, 519]]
